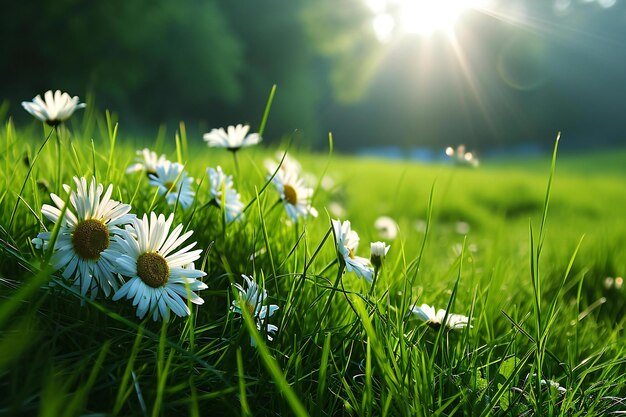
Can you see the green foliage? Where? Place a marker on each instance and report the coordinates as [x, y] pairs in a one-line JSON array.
[[121, 49]]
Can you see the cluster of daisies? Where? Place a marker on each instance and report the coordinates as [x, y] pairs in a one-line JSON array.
[[176, 186], [102, 249]]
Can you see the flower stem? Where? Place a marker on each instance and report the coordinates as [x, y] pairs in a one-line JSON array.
[[376, 271], [340, 270], [236, 160], [58, 177], [30, 169], [327, 267]]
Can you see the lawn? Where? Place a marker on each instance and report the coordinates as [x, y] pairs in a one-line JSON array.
[[541, 286]]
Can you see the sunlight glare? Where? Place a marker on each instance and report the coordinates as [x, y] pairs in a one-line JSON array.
[[427, 16], [383, 24], [421, 17]]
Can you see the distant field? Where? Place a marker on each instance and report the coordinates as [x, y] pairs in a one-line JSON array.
[[364, 355]]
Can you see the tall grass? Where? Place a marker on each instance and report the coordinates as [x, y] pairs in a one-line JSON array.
[[342, 348]]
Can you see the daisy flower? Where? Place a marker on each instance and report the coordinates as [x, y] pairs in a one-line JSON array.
[[386, 227], [174, 183], [252, 298], [289, 164], [147, 161], [85, 246], [427, 313], [553, 385], [347, 241], [161, 277], [222, 188], [378, 251], [294, 194], [56, 107], [236, 137]]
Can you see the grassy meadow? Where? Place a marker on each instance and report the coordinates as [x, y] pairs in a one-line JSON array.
[[478, 242]]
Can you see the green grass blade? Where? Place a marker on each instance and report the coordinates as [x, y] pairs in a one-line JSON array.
[[266, 112]]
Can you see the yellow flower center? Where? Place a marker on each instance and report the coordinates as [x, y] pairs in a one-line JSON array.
[[171, 186], [153, 270], [350, 253], [90, 238], [291, 196]]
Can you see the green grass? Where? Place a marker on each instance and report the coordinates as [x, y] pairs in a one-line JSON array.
[[538, 301]]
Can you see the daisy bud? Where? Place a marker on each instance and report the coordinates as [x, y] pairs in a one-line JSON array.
[[378, 252]]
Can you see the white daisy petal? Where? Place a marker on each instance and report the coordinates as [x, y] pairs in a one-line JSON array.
[[252, 298], [294, 194], [55, 109], [173, 183], [86, 244], [236, 137], [223, 192], [159, 283], [146, 161], [436, 319], [347, 241]]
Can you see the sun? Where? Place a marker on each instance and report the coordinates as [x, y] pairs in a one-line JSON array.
[[422, 17], [427, 16]]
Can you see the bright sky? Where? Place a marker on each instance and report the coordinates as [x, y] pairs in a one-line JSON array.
[[425, 17], [422, 17]]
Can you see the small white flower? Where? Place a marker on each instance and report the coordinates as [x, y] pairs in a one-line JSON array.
[[174, 183], [462, 228], [160, 279], [386, 227], [294, 194], [347, 241], [427, 313], [327, 183], [421, 225], [458, 248], [378, 251], [262, 251], [336, 209], [85, 246], [616, 283], [57, 107], [461, 157], [561, 390], [146, 161], [222, 188], [236, 137], [252, 298]]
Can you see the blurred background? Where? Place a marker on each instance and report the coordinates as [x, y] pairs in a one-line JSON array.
[[395, 77]]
